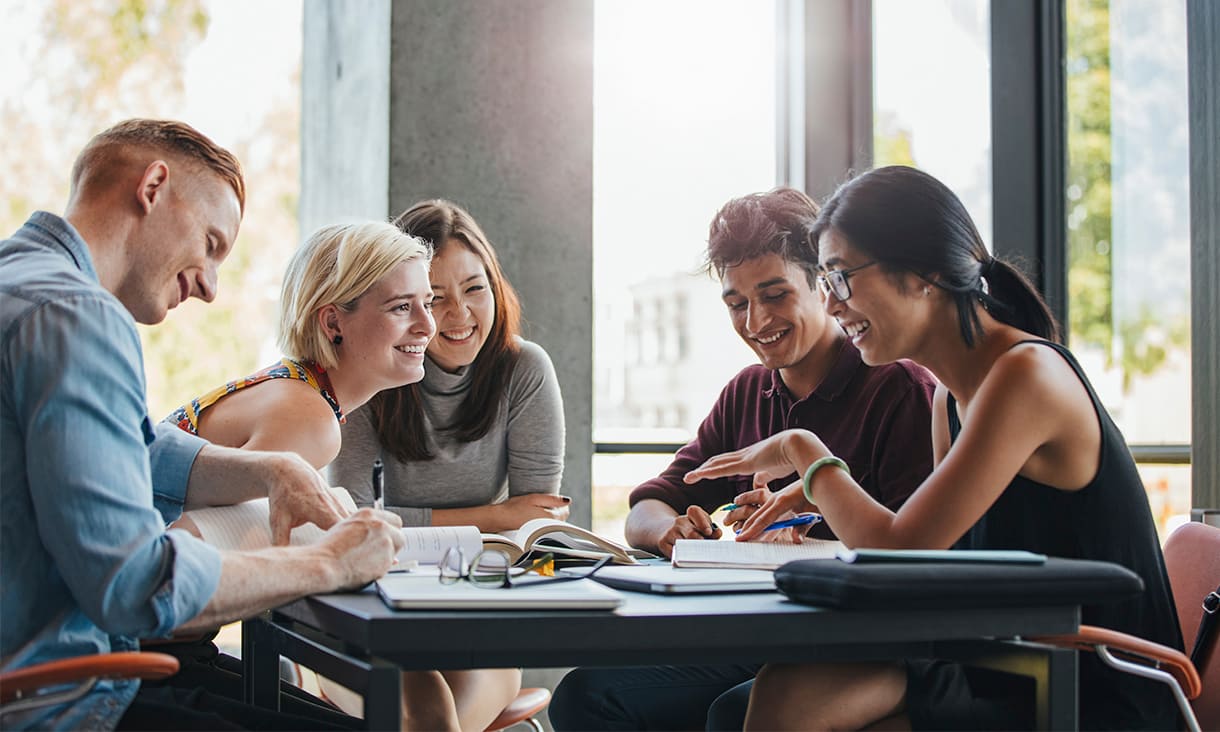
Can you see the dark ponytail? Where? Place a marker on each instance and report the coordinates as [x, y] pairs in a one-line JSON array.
[[909, 221], [1013, 300]]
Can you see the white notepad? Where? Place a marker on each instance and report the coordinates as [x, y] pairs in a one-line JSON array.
[[424, 592], [749, 554]]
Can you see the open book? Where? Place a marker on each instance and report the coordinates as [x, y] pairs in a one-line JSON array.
[[749, 554], [562, 538], [246, 526]]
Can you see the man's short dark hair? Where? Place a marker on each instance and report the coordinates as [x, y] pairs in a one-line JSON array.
[[776, 222]]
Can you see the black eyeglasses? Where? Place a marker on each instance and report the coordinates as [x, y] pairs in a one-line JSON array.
[[835, 281], [492, 569]]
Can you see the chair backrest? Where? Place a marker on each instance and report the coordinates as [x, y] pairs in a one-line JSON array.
[[1192, 557]]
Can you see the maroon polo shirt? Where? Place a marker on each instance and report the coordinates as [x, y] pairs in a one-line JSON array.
[[877, 418]]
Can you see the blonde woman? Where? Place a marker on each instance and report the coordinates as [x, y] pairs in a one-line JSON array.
[[355, 318]]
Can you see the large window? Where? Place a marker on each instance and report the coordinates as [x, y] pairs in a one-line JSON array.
[[1128, 227], [684, 119], [931, 94]]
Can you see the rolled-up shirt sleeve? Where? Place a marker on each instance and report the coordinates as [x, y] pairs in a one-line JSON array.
[[171, 456], [79, 395]]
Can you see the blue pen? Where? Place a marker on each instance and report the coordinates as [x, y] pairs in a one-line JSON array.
[[801, 519]]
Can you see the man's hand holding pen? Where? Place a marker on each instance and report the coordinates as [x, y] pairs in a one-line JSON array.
[[694, 524]]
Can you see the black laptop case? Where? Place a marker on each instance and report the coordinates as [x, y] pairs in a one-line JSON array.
[[935, 585]]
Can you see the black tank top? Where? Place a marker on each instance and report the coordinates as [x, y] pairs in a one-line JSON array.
[[1108, 520]]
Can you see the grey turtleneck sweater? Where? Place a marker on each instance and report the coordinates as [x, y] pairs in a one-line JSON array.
[[521, 453]]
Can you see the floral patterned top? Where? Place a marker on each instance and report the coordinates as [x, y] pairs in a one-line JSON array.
[[186, 417]]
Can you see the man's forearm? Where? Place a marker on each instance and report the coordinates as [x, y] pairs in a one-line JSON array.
[[253, 581], [647, 523], [222, 476]]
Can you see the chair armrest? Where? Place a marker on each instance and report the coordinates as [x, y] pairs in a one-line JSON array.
[[1174, 662], [128, 664]]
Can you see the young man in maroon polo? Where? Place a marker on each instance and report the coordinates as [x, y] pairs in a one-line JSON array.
[[810, 375]]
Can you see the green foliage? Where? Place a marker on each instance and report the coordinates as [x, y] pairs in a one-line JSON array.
[[1146, 341], [107, 60], [1088, 174], [1139, 344]]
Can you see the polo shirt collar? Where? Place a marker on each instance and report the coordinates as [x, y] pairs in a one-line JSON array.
[[845, 366]]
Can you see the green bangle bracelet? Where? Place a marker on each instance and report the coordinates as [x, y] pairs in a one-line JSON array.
[[820, 463]]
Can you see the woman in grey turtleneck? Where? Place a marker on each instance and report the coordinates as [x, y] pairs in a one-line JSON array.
[[480, 440]]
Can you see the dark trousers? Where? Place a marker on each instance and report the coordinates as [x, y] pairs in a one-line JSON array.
[[207, 693], [653, 698]]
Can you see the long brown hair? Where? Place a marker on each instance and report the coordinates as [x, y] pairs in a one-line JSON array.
[[398, 413]]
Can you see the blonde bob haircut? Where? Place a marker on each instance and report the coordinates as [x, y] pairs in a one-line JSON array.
[[336, 266]]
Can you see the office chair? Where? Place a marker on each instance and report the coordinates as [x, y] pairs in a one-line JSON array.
[[19, 689], [1192, 557], [522, 710]]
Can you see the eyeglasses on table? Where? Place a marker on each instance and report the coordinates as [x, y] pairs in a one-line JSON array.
[[492, 569]]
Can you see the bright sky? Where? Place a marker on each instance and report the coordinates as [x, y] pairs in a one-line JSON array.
[[224, 98], [20, 19], [266, 34], [932, 70], [684, 119]]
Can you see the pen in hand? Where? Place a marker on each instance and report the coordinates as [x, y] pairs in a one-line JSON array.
[[378, 485], [801, 519]]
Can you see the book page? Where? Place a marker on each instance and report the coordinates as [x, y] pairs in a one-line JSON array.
[[428, 544], [572, 540], [564, 533], [756, 555]]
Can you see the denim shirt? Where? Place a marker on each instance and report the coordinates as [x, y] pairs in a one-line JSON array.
[[87, 484]]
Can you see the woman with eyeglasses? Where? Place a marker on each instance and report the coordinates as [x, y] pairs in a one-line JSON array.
[[1026, 458]]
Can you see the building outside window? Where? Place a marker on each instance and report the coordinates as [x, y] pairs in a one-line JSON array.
[[684, 119]]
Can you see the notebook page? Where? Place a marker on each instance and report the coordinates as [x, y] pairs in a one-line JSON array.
[[247, 525], [757, 555]]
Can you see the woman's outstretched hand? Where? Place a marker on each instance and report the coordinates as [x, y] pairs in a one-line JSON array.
[[784, 453], [772, 507]]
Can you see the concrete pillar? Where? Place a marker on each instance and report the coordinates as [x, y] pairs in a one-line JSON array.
[[488, 103], [345, 112]]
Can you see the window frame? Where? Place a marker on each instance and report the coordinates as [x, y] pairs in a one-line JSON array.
[[832, 39]]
